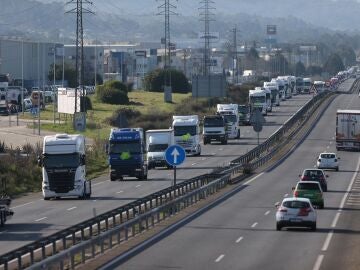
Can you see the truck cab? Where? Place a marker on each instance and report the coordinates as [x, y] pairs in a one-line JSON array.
[[157, 141], [187, 133], [214, 129], [244, 114], [306, 85], [275, 96], [63, 167], [127, 154], [257, 100], [231, 116]]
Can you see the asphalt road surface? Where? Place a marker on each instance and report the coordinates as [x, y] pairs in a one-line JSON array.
[[35, 218]]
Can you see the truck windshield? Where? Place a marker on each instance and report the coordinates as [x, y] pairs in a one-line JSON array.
[[213, 122], [257, 99], [230, 118], [183, 130], [243, 109], [62, 161], [120, 147], [157, 147], [281, 87], [307, 83]]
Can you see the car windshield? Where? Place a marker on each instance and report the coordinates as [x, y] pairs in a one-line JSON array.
[[62, 161], [327, 156], [157, 147], [296, 204], [183, 130], [120, 147], [308, 186], [313, 173]]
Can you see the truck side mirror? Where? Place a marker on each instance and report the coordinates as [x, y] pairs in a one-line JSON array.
[[83, 159], [39, 161]]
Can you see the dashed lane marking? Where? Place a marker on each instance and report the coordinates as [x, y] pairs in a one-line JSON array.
[[220, 258], [40, 219], [239, 239]]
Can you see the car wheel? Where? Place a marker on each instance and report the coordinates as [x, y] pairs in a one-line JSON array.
[[278, 227], [313, 227], [321, 206], [112, 177], [337, 169], [46, 198]]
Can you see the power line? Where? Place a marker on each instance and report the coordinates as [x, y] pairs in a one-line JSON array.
[[79, 63], [206, 16], [167, 10]]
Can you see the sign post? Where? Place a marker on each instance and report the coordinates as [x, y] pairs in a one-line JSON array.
[[257, 120], [174, 156]]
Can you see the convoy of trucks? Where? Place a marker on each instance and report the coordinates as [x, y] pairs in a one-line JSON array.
[[348, 130], [187, 133], [257, 100], [63, 167], [127, 153], [157, 141]]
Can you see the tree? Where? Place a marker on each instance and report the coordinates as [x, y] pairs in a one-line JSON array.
[[347, 54], [69, 74], [300, 69], [154, 81], [314, 70], [333, 64], [251, 59]]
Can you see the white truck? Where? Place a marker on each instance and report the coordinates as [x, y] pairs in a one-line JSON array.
[[257, 100], [287, 85], [187, 133], [306, 85], [63, 167], [231, 116], [275, 96], [157, 141], [214, 129], [348, 130], [281, 85], [319, 87]]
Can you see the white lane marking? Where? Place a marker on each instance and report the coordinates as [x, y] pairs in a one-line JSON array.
[[253, 179], [239, 239], [220, 149], [349, 187], [98, 183], [71, 208], [213, 154], [21, 205], [286, 195], [220, 258], [330, 142], [267, 212], [327, 241], [193, 164], [138, 186], [203, 158], [327, 147], [333, 224], [353, 203], [121, 191], [318, 262], [94, 200], [40, 219], [254, 225]]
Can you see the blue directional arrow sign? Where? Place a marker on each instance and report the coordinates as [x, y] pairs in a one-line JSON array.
[[175, 155]]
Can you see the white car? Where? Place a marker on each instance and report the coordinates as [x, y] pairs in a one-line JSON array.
[[328, 161], [295, 212]]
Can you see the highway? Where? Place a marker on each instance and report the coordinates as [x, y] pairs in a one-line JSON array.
[[240, 233], [35, 218]]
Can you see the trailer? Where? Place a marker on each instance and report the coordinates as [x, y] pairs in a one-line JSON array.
[[348, 130]]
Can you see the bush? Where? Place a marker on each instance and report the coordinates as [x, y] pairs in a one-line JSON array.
[[112, 96], [88, 103], [116, 85]]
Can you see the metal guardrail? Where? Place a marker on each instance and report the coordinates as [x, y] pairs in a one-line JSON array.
[[71, 240], [116, 236]]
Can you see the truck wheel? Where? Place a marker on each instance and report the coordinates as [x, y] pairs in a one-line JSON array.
[[2, 221], [112, 177], [238, 135]]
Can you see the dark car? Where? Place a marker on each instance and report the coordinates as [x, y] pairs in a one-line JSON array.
[[317, 175], [4, 110]]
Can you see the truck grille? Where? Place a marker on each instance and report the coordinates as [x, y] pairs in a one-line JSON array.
[[61, 181]]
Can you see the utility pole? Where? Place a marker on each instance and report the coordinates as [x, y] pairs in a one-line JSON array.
[[79, 64], [235, 31], [206, 16], [167, 10]]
